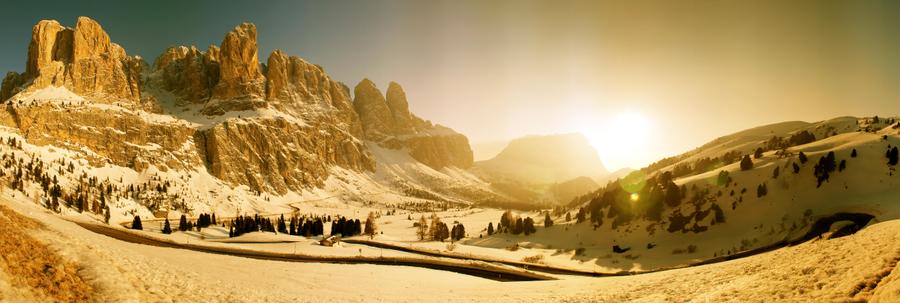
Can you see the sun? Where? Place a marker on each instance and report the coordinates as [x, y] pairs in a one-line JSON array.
[[623, 139]]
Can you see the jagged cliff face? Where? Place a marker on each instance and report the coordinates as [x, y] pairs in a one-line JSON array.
[[274, 128], [387, 121], [81, 59], [188, 73]]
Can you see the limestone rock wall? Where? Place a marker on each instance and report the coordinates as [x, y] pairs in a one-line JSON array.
[[387, 120], [275, 156], [81, 59], [299, 122]]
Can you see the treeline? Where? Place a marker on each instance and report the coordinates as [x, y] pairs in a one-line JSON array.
[[513, 224], [437, 230]]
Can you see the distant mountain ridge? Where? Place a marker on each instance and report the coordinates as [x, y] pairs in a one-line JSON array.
[[546, 159]]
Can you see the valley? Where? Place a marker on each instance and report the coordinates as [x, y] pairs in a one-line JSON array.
[[211, 175]]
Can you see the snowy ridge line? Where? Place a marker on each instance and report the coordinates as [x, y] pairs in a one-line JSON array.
[[474, 268]]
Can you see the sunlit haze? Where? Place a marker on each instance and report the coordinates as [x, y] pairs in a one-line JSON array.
[[643, 80]]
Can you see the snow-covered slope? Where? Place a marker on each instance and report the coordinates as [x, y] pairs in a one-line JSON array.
[[721, 212], [860, 267]]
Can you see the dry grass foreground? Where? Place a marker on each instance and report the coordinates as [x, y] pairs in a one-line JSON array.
[[32, 266]]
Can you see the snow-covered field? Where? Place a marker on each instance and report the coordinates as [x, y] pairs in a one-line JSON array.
[[857, 267]]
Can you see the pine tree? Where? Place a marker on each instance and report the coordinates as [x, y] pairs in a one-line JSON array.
[[490, 228], [442, 232], [166, 228], [853, 153], [842, 166], [758, 153], [547, 220], [893, 156], [518, 227], [802, 157], [775, 173], [528, 226], [672, 194], [761, 190], [422, 228], [506, 219], [282, 227], [568, 217], [796, 168], [746, 163], [182, 223], [371, 228], [435, 229], [136, 224]]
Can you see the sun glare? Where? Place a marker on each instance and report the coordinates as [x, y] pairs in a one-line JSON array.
[[622, 139]]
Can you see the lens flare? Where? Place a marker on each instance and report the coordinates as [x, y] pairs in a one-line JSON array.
[[635, 197]]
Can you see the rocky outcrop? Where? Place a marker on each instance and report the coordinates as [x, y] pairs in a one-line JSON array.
[[374, 113], [11, 84], [104, 136], [388, 121], [239, 75], [441, 149], [81, 59], [294, 85], [188, 73], [276, 156], [396, 101]]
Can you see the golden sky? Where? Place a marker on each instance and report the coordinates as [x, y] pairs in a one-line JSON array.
[[685, 71], [642, 79]]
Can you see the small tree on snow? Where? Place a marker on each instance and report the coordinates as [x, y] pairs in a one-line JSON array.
[[892, 156], [547, 220], [136, 224], [422, 228], [183, 223], [166, 228], [371, 228], [746, 163]]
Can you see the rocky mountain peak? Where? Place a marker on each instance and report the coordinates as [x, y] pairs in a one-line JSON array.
[[81, 59], [388, 121], [396, 101], [374, 114], [239, 75]]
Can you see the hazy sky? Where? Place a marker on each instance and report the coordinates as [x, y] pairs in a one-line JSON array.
[[642, 79]]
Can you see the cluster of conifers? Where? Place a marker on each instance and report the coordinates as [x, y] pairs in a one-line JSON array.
[[297, 225]]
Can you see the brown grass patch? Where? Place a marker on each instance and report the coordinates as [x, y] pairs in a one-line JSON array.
[[30, 263]]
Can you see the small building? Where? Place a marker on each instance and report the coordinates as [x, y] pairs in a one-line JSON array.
[[330, 241]]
